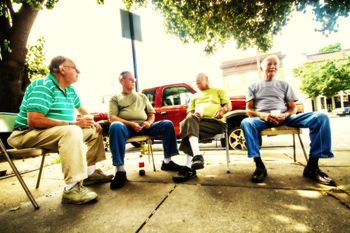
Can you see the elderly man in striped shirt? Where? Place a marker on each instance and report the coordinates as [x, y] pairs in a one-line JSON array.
[[46, 120]]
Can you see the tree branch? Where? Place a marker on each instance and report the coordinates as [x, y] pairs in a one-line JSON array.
[[10, 7]]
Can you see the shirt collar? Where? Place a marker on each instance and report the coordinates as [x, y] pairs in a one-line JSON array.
[[53, 78]]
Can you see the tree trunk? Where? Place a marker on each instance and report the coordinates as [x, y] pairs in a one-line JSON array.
[[13, 77]]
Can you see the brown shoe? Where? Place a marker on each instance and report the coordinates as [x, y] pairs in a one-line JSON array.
[[97, 177]]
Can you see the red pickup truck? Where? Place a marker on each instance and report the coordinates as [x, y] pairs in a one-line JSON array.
[[170, 103]]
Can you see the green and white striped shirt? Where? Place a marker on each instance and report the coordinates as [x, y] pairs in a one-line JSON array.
[[45, 96]]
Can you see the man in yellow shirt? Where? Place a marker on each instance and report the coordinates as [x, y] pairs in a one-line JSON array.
[[205, 118]]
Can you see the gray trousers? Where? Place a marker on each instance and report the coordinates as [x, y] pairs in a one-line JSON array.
[[203, 128]]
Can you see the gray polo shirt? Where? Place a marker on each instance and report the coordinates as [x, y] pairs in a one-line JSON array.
[[271, 95]]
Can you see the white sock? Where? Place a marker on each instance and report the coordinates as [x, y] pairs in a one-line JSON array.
[[167, 160], [70, 186], [120, 168], [194, 145], [91, 169], [189, 161]]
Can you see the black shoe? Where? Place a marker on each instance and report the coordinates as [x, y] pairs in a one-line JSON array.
[[318, 176], [259, 175], [197, 162], [119, 180], [171, 166], [184, 174]]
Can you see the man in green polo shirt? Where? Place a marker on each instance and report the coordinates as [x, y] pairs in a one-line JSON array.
[[205, 119], [46, 120]]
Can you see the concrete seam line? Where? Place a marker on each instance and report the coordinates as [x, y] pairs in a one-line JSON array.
[[240, 186], [155, 209]]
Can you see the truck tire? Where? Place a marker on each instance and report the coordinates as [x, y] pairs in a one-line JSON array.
[[236, 139]]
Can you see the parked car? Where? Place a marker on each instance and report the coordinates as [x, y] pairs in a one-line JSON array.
[[343, 112]]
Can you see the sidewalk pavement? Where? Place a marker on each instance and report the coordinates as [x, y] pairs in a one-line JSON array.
[[213, 202]]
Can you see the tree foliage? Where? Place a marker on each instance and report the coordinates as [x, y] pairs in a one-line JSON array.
[[16, 20], [35, 60], [325, 78], [250, 23], [331, 48]]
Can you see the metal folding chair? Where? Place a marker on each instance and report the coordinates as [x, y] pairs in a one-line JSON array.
[[144, 139], [220, 136], [7, 121], [286, 130]]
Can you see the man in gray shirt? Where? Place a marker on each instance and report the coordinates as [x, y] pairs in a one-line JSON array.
[[271, 103], [132, 114]]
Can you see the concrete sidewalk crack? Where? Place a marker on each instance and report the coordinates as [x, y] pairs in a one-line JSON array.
[[155, 210], [341, 196]]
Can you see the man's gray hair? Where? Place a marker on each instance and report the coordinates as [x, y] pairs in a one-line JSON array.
[[273, 56], [55, 64], [123, 74]]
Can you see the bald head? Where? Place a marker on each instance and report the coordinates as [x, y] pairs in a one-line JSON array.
[[202, 81]]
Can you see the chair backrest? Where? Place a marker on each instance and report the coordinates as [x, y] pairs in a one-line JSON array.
[[7, 122]]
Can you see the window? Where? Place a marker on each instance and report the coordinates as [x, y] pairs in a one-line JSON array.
[[173, 96], [150, 95]]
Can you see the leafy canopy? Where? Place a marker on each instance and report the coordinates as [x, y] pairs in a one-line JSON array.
[[250, 23]]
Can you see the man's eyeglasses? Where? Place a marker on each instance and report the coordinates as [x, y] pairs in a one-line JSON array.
[[73, 67]]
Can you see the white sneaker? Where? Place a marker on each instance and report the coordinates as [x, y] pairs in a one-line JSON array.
[[78, 195]]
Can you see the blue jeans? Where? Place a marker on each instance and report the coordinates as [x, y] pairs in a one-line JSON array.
[[119, 133], [318, 123]]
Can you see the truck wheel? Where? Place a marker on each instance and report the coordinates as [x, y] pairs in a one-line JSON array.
[[236, 139]]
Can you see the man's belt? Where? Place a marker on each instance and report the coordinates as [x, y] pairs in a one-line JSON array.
[[21, 128]]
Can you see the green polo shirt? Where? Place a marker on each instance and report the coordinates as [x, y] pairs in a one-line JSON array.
[[209, 101], [45, 96]]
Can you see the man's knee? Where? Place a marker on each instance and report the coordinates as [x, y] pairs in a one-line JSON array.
[[246, 122], [167, 124], [73, 132], [117, 127], [322, 117]]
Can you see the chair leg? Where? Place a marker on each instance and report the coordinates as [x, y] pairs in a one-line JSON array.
[[227, 152], [40, 171], [302, 146], [294, 152], [150, 151], [19, 177]]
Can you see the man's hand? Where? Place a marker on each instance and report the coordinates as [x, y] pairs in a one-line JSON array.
[[197, 114], [268, 117], [98, 128], [146, 124], [136, 126], [219, 113], [282, 117], [85, 123]]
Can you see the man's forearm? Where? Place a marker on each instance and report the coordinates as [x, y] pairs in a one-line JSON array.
[[39, 121], [150, 118], [114, 118]]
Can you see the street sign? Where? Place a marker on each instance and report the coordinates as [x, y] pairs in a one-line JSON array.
[[131, 30]]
